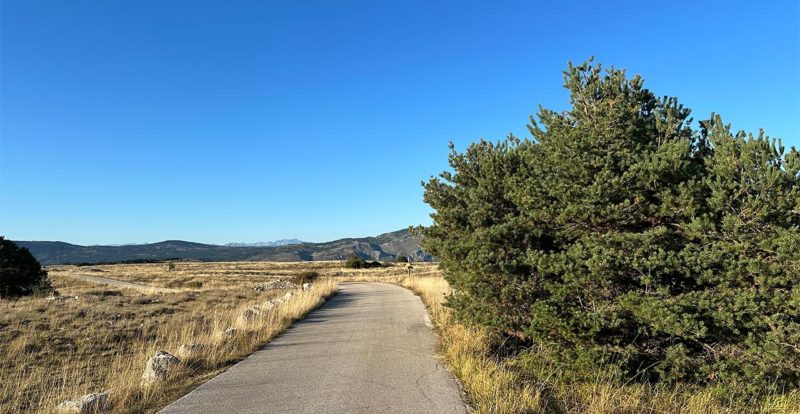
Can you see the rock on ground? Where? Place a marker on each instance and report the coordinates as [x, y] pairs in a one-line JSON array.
[[62, 298], [249, 315], [287, 296], [158, 367], [261, 287], [89, 403], [307, 286], [280, 284]]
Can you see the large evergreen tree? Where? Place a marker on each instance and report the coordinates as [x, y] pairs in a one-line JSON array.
[[619, 237]]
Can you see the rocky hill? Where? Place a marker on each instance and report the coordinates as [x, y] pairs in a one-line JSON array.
[[281, 242], [383, 247]]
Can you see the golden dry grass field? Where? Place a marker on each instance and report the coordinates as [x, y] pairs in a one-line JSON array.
[[97, 337]]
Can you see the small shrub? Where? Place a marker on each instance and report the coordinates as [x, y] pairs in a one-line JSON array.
[[402, 259], [20, 272], [184, 283], [144, 300], [355, 262], [104, 293], [306, 277]]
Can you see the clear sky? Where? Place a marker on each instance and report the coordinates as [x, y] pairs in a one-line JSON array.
[[220, 121]]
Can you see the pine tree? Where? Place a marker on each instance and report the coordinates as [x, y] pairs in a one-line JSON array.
[[618, 238]]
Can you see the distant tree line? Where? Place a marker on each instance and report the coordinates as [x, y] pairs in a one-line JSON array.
[[622, 239]]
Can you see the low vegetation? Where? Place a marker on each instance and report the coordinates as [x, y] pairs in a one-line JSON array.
[[306, 277], [355, 262], [97, 337]]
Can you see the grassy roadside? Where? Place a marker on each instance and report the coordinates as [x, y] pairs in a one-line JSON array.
[[513, 385], [490, 387], [55, 350], [217, 351]]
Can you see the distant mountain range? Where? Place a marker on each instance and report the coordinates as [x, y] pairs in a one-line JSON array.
[[383, 247], [281, 242]]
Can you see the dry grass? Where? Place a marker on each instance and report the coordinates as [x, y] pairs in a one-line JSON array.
[[61, 349], [55, 350], [503, 385], [491, 388]]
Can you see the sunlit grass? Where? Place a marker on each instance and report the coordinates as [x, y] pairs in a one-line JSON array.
[[58, 350]]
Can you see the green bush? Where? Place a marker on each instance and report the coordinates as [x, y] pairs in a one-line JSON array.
[[402, 259], [20, 272], [355, 262], [620, 239]]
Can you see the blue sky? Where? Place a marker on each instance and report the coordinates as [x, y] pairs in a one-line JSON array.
[[140, 121]]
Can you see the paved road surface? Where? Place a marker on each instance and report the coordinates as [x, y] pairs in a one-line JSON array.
[[120, 283], [369, 349]]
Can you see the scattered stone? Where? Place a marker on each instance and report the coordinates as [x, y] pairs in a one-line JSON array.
[[267, 305], [284, 284], [306, 286], [89, 403], [279, 284], [230, 332], [61, 298], [288, 296], [158, 367], [249, 315], [276, 302]]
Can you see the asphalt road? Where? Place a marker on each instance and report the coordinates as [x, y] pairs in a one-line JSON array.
[[369, 349]]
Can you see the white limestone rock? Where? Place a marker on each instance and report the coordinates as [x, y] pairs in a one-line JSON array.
[[89, 403], [158, 367]]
